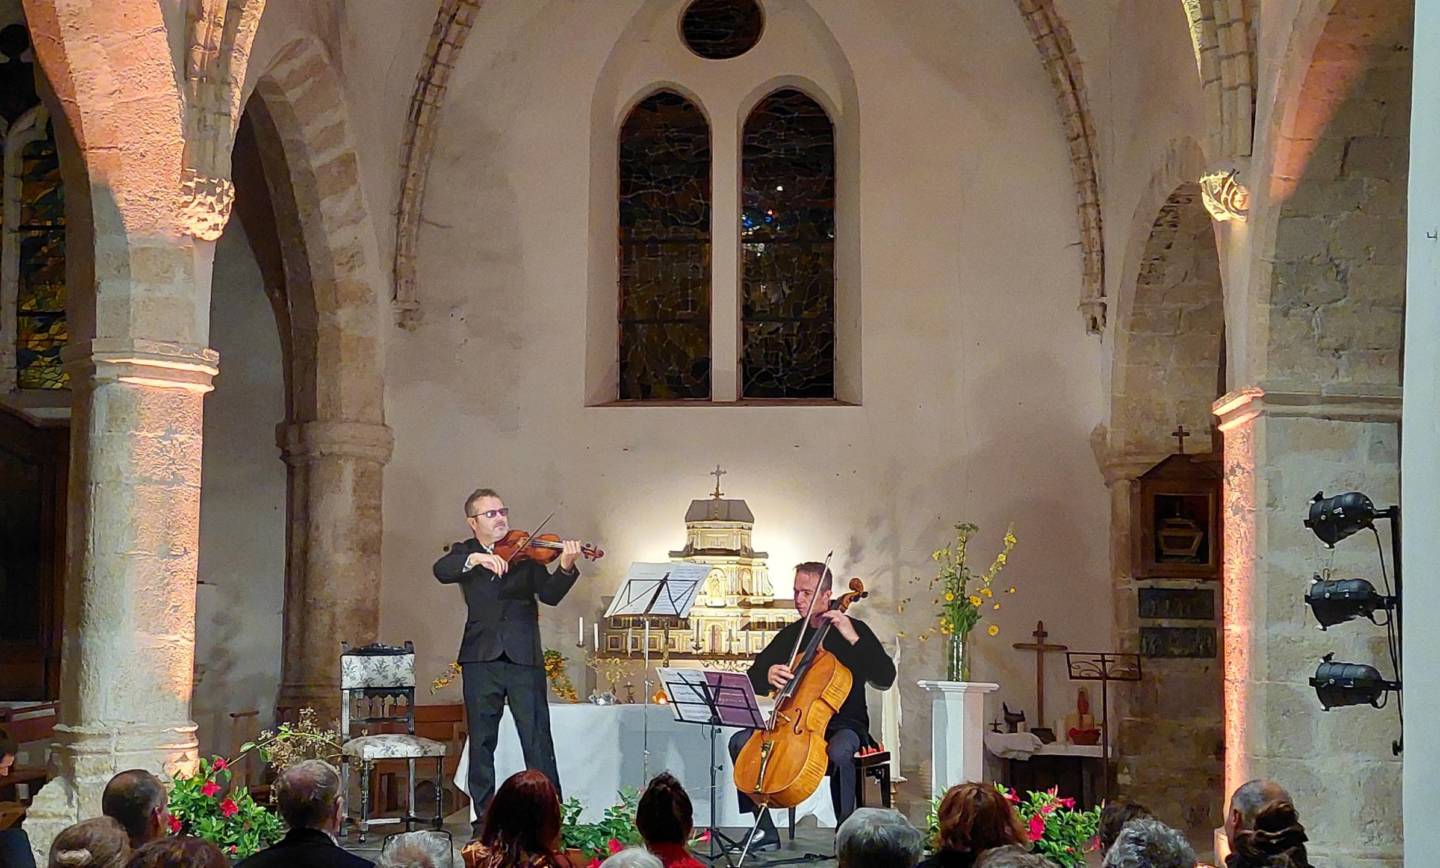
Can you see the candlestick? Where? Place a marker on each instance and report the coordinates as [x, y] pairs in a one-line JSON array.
[[629, 639], [647, 636]]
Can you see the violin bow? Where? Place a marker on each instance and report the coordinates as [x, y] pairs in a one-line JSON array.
[[534, 533]]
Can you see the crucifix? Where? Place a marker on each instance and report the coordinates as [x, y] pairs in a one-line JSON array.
[[1040, 648], [1179, 434], [717, 473]]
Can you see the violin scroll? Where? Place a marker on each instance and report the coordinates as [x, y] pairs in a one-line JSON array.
[[857, 592]]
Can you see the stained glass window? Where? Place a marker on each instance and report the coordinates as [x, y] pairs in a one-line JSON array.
[[43, 331], [787, 230], [664, 251], [722, 29]]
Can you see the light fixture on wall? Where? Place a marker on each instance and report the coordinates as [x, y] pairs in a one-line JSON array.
[[1335, 601], [1342, 684]]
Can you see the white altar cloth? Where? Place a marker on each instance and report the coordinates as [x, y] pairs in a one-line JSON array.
[[599, 749]]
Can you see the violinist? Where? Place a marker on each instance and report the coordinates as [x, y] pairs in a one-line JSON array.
[[500, 657], [855, 646]]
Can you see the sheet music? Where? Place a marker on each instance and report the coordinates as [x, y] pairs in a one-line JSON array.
[[712, 696], [666, 589]]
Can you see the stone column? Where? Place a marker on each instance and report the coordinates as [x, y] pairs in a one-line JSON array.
[[129, 643], [332, 570], [1280, 448]]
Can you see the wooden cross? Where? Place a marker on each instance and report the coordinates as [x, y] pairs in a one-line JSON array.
[[1040, 648], [1180, 434], [717, 473]]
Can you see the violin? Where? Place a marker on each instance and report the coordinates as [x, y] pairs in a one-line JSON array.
[[781, 765], [517, 545]]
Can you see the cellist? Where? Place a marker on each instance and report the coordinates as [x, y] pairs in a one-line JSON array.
[[854, 644]]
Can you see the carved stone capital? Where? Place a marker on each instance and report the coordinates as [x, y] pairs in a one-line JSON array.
[[142, 362], [1341, 402], [306, 442], [207, 204], [1224, 192]]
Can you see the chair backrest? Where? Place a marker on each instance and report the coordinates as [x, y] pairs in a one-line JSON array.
[[377, 686]]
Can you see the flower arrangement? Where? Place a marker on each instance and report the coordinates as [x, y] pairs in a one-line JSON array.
[[1057, 830], [445, 678], [963, 596], [201, 805], [290, 743], [559, 679]]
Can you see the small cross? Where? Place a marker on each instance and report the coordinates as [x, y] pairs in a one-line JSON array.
[[1180, 434], [717, 473]]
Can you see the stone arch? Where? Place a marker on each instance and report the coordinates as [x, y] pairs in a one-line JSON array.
[[1223, 39], [334, 439], [1330, 248]]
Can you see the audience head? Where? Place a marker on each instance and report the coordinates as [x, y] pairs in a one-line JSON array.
[[182, 852], [1263, 827], [137, 799], [1012, 856], [308, 796], [418, 850], [1148, 843], [632, 857], [523, 819], [975, 817], [98, 843], [877, 837], [664, 815], [1113, 818]]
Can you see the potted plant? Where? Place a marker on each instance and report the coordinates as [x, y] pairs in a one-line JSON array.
[[202, 805], [964, 597]]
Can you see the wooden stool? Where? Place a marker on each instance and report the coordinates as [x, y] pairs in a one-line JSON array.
[[872, 765]]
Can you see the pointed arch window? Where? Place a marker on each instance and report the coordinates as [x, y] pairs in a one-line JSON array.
[[787, 231], [32, 217], [664, 250]]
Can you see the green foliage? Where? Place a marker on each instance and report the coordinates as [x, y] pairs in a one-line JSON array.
[[1057, 830], [617, 824], [201, 805], [290, 743]]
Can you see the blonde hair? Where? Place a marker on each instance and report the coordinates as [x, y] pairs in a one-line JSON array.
[[98, 843]]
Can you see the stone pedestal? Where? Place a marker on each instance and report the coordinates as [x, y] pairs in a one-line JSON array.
[[957, 731]]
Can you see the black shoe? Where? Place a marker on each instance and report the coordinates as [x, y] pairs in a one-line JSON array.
[[766, 837]]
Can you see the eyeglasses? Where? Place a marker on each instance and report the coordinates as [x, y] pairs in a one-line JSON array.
[[491, 513]]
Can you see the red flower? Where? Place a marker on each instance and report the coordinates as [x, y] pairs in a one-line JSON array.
[[594, 863], [1047, 808], [210, 789], [1011, 797], [1067, 802], [705, 835], [615, 846], [1094, 843], [1037, 827], [220, 764], [228, 808], [175, 825]]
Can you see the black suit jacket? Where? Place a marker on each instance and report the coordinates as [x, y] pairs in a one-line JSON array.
[[305, 848], [504, 616]]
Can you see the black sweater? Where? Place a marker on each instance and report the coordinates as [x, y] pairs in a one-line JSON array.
[[866, 659]]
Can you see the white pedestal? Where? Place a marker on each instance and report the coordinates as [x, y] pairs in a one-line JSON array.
[[957, 732]]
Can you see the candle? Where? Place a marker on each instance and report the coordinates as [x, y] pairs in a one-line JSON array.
[[647, 637], [580, 632], [629, 638], [595, 629]]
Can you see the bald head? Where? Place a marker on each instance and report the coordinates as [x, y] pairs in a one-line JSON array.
[[1250, 796], [308, 795], [136, 799]]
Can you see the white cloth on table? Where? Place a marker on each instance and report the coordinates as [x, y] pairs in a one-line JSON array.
[[1013, 745], [599, 749]]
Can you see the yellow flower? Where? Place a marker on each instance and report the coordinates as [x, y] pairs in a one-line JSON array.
[[949, 597], [975, 601], [1010, 591], [993, 630], [997, 605], [984, 592]]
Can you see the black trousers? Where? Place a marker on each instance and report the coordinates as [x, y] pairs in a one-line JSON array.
[[487, 687], [841, 745]]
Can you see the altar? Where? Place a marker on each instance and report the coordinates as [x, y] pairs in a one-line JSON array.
[[600, 748]]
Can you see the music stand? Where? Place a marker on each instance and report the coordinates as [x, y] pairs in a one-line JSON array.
[[713, 698], [1104, 667], [667, 590]]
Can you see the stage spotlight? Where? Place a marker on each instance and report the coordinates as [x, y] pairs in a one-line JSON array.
[[1335, 601], [1334, 518], [1341, 684]]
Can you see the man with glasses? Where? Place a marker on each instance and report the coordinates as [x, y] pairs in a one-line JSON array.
[[500, 657]]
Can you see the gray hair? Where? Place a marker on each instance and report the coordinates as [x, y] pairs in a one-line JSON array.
[[306, 793], [1149, 843], [632, 857], [1012, 856], [1252, 795], [877, 836], [423, 849]]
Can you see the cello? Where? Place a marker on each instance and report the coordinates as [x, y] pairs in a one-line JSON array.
[[782, 764]]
